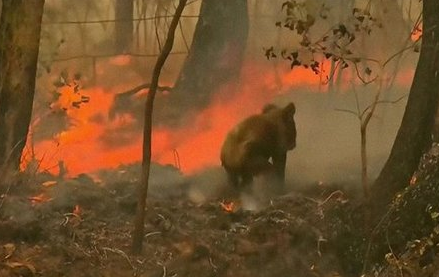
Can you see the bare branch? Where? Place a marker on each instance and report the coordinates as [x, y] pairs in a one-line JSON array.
[[357, 104], [399, 52], [186, 44], [331, 76], [347, 111], [156, 30], [353, 59], [410, 46], [384, 102], [143, 86], [88, 56], [121, 99], [66, 22], [361, 78], [191, 2], [374, 104]]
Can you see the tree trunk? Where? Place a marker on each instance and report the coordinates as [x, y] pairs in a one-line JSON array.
[[415, 133], [215, 57], [123, 27], [20, 26], [138, 233]]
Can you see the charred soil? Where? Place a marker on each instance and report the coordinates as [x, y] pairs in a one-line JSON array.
[[78, 227]]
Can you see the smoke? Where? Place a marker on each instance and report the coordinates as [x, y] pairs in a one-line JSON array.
[[328, 140], [328, 146], [210, 183]]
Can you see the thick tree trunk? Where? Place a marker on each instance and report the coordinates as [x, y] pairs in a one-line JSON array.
[[123, 29], [20, 26], [415, 134], [215, 57]]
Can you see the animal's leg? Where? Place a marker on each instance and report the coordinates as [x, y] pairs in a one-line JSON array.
[[233, 179], [247, 179], [279, 163]]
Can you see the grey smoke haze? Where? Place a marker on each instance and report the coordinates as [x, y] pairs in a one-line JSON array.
[[328, 147], [328, 141]]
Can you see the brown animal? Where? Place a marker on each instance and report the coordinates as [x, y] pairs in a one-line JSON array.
[[249, 146]]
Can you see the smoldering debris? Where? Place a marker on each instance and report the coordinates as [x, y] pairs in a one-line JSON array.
[[206, 184], [165, 182], [182, 238]]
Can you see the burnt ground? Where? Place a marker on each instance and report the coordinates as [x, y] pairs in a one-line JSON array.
[[80, 227]]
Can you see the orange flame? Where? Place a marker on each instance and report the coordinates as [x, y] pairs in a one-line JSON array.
[[416, 33], [40, 198], [77, 210], [413, 180], [197, 145], [49, 184], [228, 207]]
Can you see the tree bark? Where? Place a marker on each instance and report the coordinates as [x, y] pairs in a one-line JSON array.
[[123, 27], [20, 26], [415, 133], [146, 161], [214, 59]]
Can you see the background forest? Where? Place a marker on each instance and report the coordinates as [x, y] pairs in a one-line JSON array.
[[88, 51]]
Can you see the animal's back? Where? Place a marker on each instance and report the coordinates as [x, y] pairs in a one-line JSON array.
[[248, 144]]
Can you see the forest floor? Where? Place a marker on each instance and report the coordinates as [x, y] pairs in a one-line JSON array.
[[79, 228], [52, 226]]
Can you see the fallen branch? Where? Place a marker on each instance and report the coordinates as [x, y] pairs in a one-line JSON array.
[[140, 87], [120, 252], [122, 100]]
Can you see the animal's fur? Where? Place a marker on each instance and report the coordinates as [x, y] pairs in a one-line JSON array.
[[249, 146]]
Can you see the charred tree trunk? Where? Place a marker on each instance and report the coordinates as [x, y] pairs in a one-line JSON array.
[[215, 57], [415, 133], [146, 159], [20, 26], [123, 27]]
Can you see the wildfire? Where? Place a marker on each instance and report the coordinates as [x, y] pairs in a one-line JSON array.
[[40, 198], [49, 183], [77, 210], [82, 148], [416, 33], [228, 207], [413, 180]]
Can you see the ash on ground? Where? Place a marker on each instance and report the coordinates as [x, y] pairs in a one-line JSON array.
[[82, 227]]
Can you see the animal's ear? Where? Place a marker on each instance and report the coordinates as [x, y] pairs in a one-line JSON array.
[[288, 113], [290, 109]]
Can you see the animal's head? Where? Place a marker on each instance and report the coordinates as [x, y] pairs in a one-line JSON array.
[[269, 107], [290, 125]]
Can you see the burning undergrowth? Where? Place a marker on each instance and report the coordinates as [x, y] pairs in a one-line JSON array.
[[95, 140], [94, 127]]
